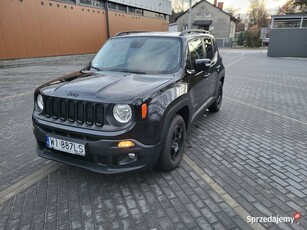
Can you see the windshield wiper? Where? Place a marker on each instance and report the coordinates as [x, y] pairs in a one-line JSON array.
[[96, 68], [90, 66], [131, 71]]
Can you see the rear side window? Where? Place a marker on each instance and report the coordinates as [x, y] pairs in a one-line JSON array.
[[209, 47]]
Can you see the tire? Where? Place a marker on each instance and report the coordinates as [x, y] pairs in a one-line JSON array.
[[216, 106], [173, 146]]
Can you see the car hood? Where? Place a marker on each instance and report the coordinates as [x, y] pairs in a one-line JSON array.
[[110, 87]]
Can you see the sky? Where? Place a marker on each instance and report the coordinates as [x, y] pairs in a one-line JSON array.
[[243, 5]]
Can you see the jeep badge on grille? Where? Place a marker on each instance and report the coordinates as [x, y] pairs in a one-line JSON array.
[[71, 94]]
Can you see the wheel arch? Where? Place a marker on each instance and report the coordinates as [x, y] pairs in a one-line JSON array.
[[222, 79], [185, 114], [181, 108], [222, 76]]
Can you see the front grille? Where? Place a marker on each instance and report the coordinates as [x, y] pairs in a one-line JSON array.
[[74, 111]]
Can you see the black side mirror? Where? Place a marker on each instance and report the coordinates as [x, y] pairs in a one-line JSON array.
[[202, 64]]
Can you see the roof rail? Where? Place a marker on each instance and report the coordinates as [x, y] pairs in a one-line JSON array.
[[129, 32], [192, 31]]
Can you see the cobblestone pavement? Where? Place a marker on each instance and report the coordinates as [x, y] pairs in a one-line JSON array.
[[254, 149]]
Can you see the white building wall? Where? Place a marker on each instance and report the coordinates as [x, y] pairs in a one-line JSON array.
[[173, 27], [232, 32], [220, 26]]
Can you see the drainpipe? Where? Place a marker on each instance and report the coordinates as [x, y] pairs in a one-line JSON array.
[[106, 6]]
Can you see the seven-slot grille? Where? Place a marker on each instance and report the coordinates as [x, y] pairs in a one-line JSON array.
[[81, 112]]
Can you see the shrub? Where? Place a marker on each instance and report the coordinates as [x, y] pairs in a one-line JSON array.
[[252, 38], [240, 41]]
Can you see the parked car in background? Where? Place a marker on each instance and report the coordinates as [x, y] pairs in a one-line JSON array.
[[266, 41]]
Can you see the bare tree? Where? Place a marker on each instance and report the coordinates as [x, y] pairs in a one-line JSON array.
[[258, 14], [182, 5], [292, 6], [302, 4], [179, 5], [232, 11]]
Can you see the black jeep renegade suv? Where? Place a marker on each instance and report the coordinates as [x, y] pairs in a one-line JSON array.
[[129, 109]]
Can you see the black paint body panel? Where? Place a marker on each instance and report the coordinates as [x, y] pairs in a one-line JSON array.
[[165, 95]]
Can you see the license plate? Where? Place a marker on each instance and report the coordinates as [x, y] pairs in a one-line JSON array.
[[65, 146]]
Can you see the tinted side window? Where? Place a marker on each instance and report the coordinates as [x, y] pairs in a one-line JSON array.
[[196, 51], [209, 46]]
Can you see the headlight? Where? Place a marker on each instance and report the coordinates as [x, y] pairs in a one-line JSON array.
[[40, 101], [122, 113]]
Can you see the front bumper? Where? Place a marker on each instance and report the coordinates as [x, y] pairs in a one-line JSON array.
[[102, 155]]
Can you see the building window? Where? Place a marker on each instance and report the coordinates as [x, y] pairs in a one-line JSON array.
[[287, 23], [122, 8], [69, 1], [139, 11], [112, 6], [160, 15], [118, 7], [203, 15], [86, 2], [131, 10], [98, 3]]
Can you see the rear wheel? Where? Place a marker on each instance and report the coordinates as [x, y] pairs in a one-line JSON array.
[[173, 147], [216, 106]]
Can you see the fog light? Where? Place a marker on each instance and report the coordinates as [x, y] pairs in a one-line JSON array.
[[125, 144], [125, 158]]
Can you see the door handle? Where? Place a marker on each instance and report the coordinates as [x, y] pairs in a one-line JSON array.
[[218, 67], [207, 75]]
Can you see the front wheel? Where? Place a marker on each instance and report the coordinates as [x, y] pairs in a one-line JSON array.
[[216, 106], [173, 147]]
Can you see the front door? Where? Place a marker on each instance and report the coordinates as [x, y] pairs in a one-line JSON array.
[[198, 80]]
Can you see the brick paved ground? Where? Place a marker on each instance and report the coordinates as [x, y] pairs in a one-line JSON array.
[[254, 148], [18, 157]]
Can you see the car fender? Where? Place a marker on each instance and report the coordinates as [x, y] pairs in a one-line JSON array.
[[160, 103], [171, 111], [166, 113]]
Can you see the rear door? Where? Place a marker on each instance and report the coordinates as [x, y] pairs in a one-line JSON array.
[[212, 74]]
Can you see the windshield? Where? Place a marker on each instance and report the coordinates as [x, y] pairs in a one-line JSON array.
[[144, 55]]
